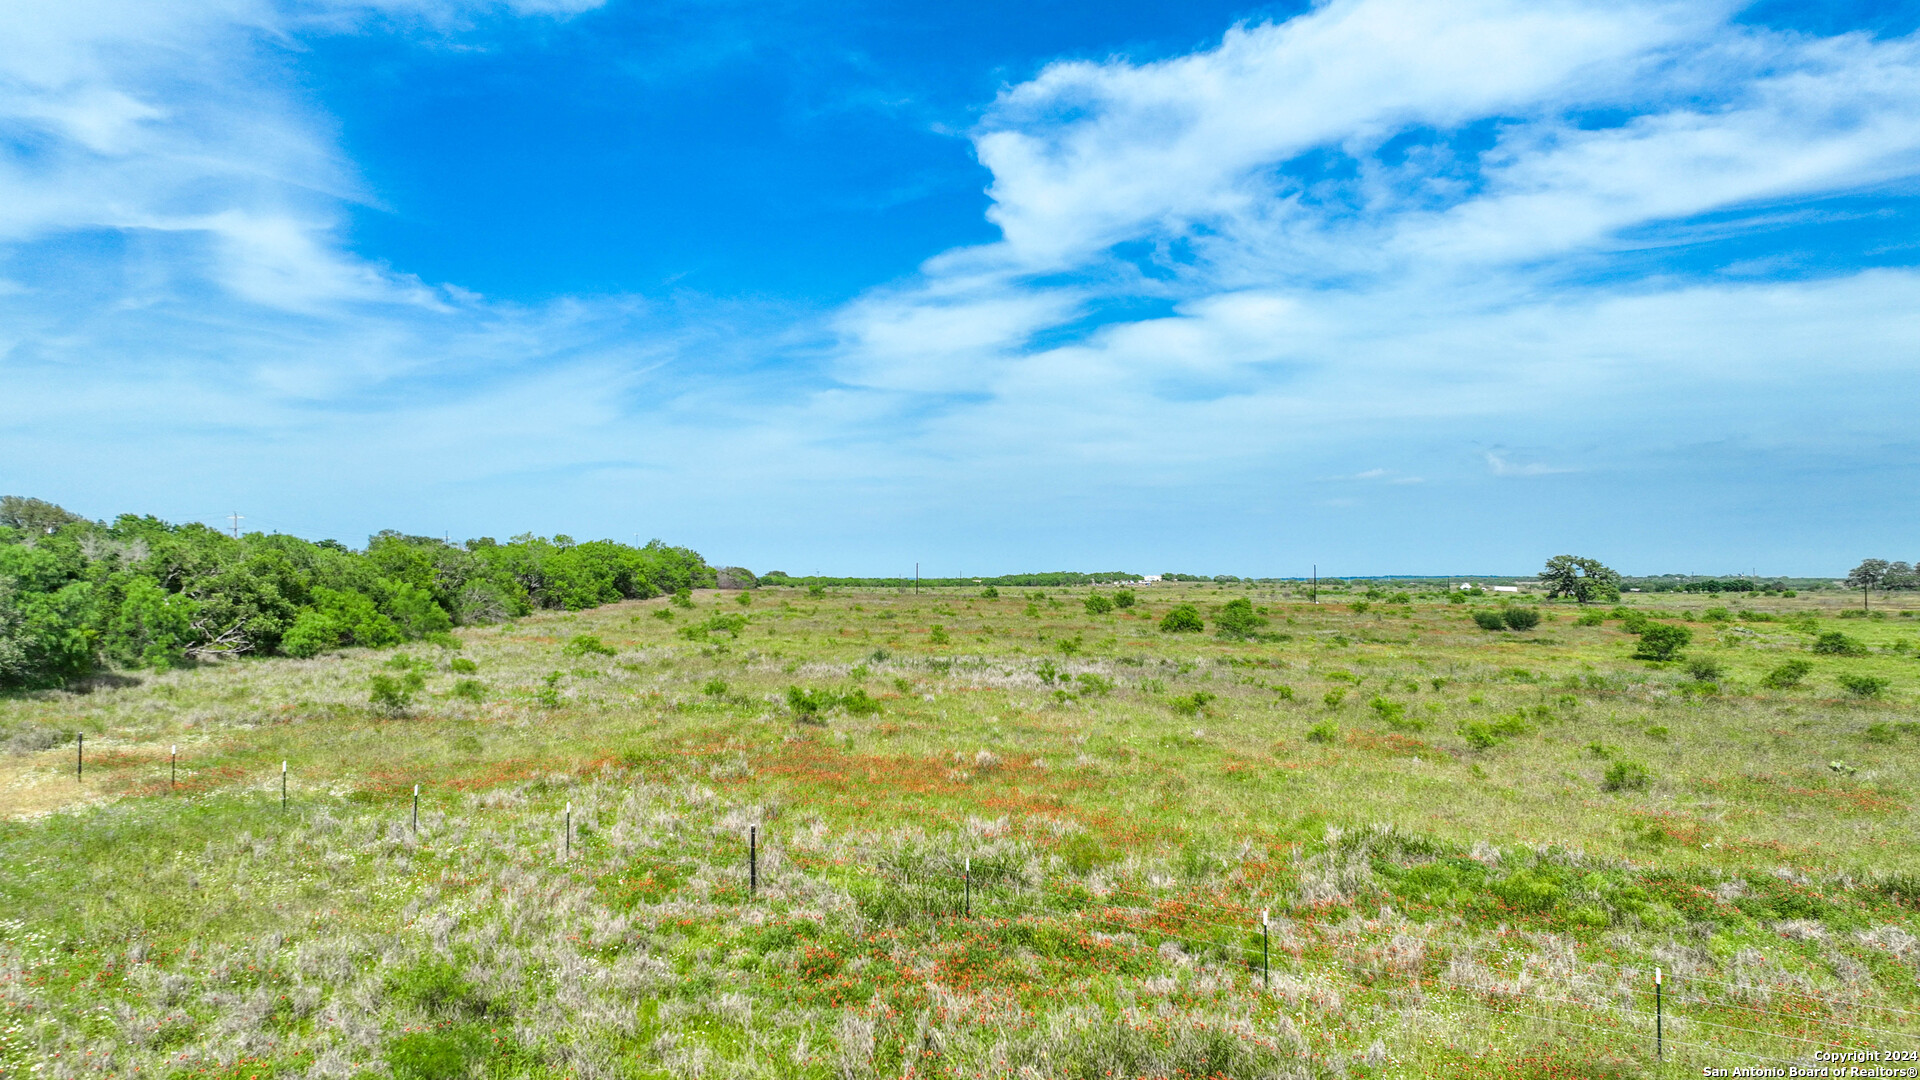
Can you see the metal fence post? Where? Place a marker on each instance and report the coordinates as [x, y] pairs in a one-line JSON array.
[[173, 767], [1659, 1021], [283, 785], [416, 809], [966, 879], [753, 861], [1263, 949], [80, 756]]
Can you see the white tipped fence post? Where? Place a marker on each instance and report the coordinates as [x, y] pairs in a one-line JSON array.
[[753, 861], [283, 785], [416, 809], [1659, 1021], [173, 767], [569, 851], [1263, 948]]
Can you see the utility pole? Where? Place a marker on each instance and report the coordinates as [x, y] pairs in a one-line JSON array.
[[237, 516]]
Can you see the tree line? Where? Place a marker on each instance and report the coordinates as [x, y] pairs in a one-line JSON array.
[[141, 592]]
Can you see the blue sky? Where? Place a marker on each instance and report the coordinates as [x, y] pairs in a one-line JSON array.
[[1381, 285]]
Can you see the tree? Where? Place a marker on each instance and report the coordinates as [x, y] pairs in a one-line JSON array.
[[1866, 577], [1581, 578]]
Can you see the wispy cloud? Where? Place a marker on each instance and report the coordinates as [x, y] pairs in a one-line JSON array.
[[1498, 465]]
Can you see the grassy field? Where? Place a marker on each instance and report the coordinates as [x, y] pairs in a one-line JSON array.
[[993, 837]]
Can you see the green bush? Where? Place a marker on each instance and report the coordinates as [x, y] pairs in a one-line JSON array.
[[1490, 620], [313, 633], [1662, 641], [683, 598], [1184, 619], [1717, 614], [990, 593], [857, 702], [1706, 669], [1478, 735], [394, 693], [1099, 604], [1093, 684], [1787, 675], [1123, 598], [588, 645], [1237, 620], [1865, 686], [816, 591], [1191, 704], [1332, 698], [938, 636], [1522, 618], [1835, 643], [470, 689], [1626, 776], [1394, 713], [1591, 618], [714, 687], [1325, 731], [808, 704]]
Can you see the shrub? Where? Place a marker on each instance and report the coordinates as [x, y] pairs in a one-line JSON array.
[[1191, 704], [460, 665], [314, 632], [1490, 620], [1479, 735], [588, 645], [1591, 618], [714, 687], [1093, 684], [665, 613], [1325, 731], [683, 598], [816, 590], [858, 702], [1123, 598], [1522, 618], [1048, 672], [1787, 675], [1717, 614], [1184, 619], [394, 693], [1070, 646], [1863, 685], [990, 593], [1706, 669], [1662, 641], [1237, 620], [1334, 697], [808, 704], [1626, 776], [1395, 715], [1835, 643], [470, 689], [938, 636], [549, 693], [1099, 604]]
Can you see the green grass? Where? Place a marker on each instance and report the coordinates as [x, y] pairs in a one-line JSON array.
[[1474, 846]]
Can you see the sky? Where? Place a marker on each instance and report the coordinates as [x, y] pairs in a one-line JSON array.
[[1372, 286]]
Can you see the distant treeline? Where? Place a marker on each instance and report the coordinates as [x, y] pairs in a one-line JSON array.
[[1055, 579], [141, 592]]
